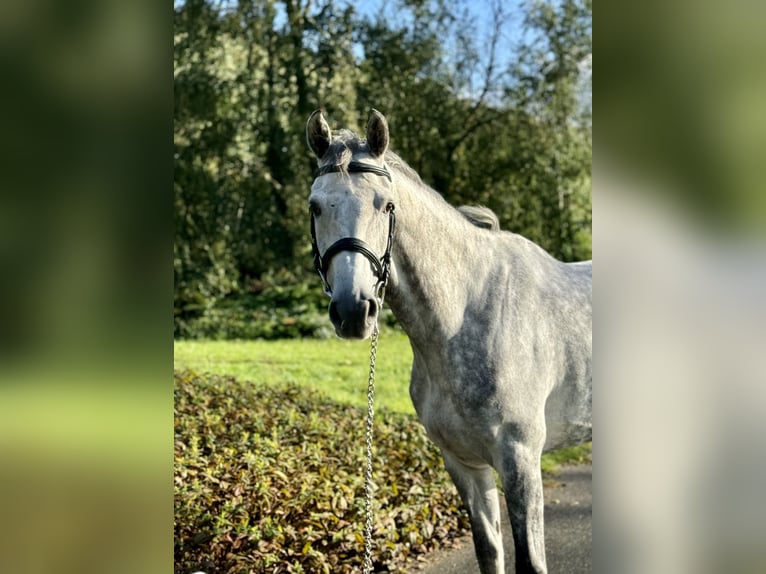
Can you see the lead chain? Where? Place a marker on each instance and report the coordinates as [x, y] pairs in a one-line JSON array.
[[368, 468]]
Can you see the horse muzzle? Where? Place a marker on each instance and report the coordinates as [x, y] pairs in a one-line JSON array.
[[354, 317]]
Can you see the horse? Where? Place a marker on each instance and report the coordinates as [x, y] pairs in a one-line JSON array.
[[501, 331]]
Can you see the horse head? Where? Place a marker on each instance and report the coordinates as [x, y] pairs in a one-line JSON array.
[[352, 221]]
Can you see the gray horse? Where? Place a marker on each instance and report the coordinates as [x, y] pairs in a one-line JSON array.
[[500, 330]]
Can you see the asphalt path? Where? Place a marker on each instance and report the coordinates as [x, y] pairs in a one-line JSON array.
[[568, 512]]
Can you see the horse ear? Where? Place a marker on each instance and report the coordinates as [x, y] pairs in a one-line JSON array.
[[377, 133], [318, 134]]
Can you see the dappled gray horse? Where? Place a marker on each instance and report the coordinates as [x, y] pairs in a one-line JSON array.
[[500, 330]]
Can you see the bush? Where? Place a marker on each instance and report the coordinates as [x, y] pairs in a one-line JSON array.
[[278, 307], [271, 480]]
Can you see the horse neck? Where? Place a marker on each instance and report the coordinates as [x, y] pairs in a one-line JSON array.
[[439, 258]]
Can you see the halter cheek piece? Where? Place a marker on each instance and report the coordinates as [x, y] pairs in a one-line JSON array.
[[381, 266]]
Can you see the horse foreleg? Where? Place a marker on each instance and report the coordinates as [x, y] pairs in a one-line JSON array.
[[478, 491], [523, 487]]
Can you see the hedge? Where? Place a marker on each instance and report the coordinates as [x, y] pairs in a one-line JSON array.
[[279, 308], [270, 480]]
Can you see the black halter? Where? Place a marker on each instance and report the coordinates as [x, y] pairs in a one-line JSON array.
[[381, 266]]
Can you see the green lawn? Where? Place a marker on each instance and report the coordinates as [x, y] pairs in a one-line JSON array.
[[334, 367]]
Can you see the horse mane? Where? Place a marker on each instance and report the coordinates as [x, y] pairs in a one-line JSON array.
[[346, 143], [397, 163], [480, 216]]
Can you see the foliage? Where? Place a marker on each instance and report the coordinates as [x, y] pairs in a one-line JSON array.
[[514, 137], [277, 306], [270, 479], [263, 469]]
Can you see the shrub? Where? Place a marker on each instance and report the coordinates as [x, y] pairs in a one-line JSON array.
[[270, 480], [277, 307]]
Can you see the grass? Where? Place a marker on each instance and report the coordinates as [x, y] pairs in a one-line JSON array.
[[334, 367], [574, 455]]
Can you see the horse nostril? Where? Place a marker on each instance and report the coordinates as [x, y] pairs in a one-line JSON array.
[[353, 318]]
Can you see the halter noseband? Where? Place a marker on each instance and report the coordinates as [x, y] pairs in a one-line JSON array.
[[381, 266]]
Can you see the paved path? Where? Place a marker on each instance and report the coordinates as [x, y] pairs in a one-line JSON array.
[[568, 509]]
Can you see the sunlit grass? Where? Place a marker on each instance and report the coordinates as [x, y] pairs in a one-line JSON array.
[[335, 367], [573, 455]]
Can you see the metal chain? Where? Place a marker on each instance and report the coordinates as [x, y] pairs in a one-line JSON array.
[[368, 469]]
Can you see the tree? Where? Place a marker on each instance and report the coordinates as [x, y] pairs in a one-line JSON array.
[[246, 76], [557, 150], [248, 73]]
